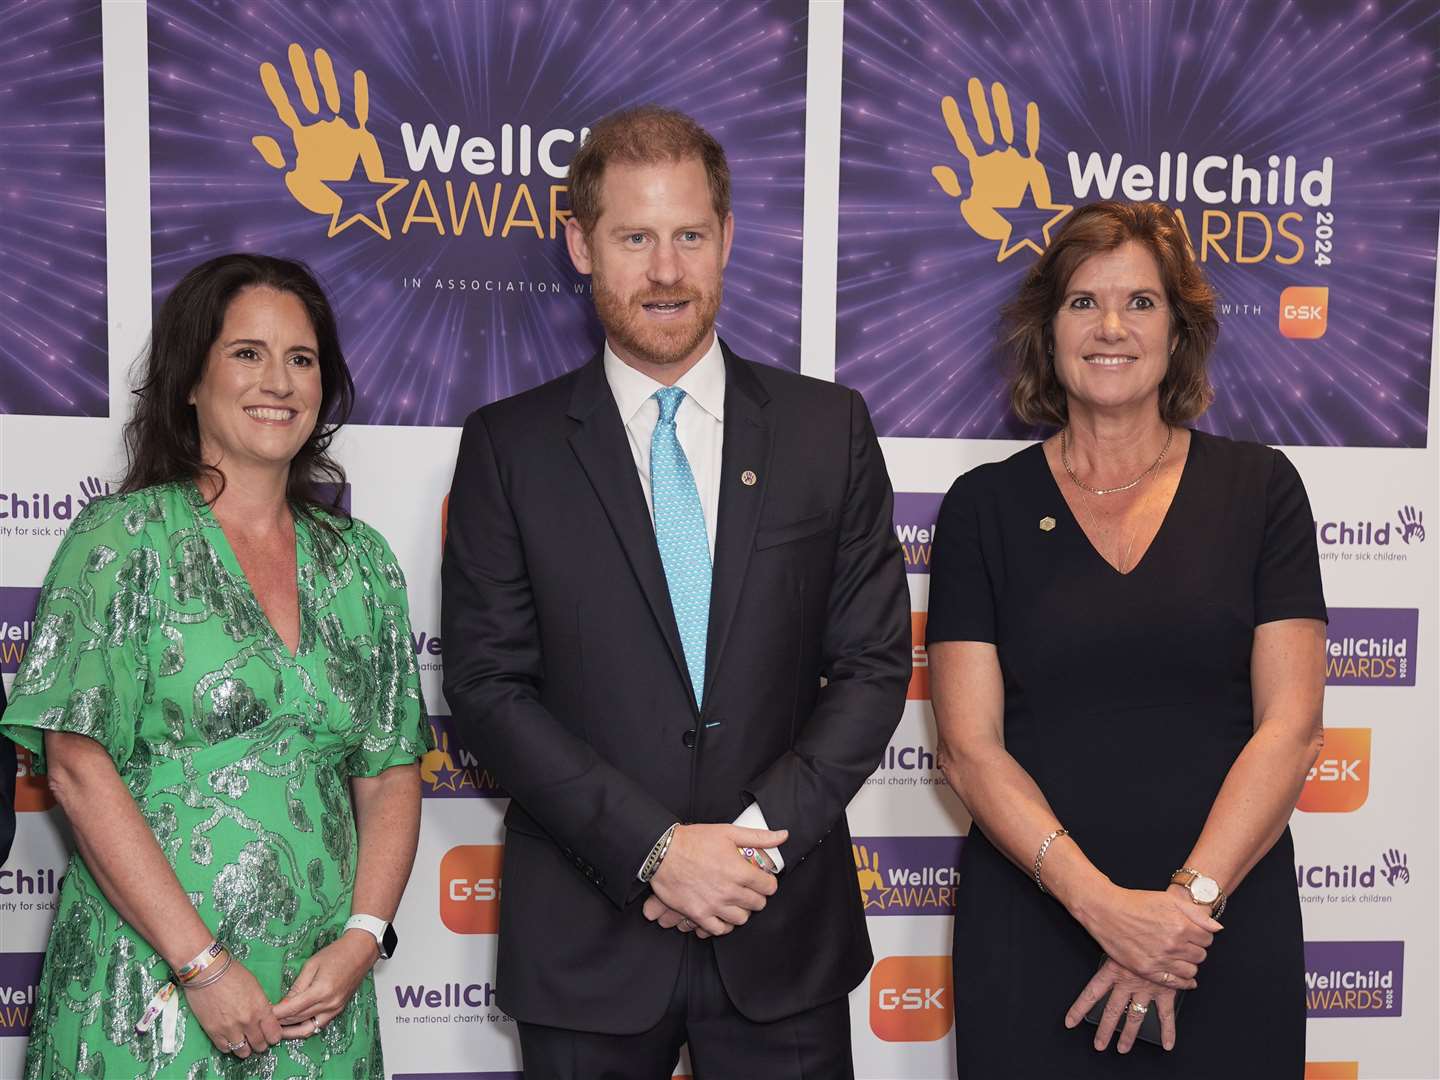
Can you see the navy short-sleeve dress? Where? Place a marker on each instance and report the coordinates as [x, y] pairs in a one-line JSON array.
[[1127, 698]]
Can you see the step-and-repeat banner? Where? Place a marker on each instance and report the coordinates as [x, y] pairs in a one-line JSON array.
[[415, 153]]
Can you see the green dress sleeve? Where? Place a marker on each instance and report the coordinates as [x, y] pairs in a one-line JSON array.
[[396, 729], [85, 669]]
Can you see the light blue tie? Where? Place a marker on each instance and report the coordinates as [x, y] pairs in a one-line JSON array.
[[680, 533]]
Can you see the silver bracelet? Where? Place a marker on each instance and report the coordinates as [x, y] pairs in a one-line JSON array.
[[657, 853], [1040, 856], [211, 980]]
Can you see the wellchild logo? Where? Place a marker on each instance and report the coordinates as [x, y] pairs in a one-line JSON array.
[[1397, 867], [1002, 178], [19, 975], [1339, 781], [1371, 882], [31, 515], [1371, 647], [429, 651], [20, 887], [907, 875], [445, 996], [1371, 539], [1251, 206], [907, 765], [470, 888], [1412, 524], [910, 998], [326, 150], [329, 149], [450, 772], [17, 623], [1354, 978], [915, 517]]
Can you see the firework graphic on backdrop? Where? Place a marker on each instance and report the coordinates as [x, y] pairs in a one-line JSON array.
[[53, 328], [1325, 272], [413, 152]]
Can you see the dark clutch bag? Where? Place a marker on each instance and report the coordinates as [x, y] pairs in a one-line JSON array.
[[1149, 1027]]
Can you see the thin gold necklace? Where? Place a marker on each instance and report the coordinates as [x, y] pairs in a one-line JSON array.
[[1065, 460], [1089, 513]]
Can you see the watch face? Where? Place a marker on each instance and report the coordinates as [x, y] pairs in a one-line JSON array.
[[388, 942], [1205, 890]]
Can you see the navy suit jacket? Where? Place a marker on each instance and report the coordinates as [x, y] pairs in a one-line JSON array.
[[566, 676]]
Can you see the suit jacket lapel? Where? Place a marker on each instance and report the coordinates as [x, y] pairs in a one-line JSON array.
[[748, 442], [604, 452]]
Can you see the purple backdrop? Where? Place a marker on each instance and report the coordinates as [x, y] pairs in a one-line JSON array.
[[509, 311], [920, 284], [53, 329]]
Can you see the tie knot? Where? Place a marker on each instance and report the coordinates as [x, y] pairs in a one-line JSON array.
[[669, 399]]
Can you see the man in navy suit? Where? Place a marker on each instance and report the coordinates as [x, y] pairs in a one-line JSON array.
[[679, 633]]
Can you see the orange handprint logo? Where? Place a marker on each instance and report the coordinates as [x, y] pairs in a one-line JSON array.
[[437, 768], [867, 873], [1001, 175], [327, 151]]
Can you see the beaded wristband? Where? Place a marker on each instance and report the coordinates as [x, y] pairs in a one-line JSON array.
[[1040, 856], [191, 971]]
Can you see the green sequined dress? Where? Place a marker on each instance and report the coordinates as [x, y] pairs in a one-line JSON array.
[[149, 639]]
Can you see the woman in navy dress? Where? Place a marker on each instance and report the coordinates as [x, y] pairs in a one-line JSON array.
[[1126, 645]]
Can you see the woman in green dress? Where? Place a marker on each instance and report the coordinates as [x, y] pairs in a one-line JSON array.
[[221, 669]]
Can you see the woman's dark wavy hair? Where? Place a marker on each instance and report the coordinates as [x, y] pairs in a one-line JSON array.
[[162, 438], [1036, 395]]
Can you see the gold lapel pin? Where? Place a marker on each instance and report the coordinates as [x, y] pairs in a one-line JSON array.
[[748, 478], [1047, 523]]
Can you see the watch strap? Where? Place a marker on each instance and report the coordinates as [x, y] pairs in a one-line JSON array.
[[372, 925]]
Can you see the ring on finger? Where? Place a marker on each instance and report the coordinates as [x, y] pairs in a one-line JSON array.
[[314, 1026], [1167, 978], [1138, 1009], [685, 926], [237, 1047]]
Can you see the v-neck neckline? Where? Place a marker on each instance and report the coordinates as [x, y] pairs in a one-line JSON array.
[[232, 564], [1160, 532]]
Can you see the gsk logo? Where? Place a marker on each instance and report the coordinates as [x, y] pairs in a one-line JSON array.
[[1332, 1070], [1304, 311], [1339, 781], [910, 998], [470, 888], [919, 659], [32, 791]]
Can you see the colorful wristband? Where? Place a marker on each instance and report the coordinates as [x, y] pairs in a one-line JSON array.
[[192, 971], [757, 858]]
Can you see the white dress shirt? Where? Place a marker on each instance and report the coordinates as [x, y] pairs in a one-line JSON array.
[[700, 427]]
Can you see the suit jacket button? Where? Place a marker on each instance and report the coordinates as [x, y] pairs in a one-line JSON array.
[[688, 738]]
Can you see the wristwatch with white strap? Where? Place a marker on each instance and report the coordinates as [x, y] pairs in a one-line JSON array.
[[383, 933], [1203, 890]]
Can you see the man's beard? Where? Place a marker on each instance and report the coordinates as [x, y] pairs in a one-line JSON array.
[[631, 332]]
